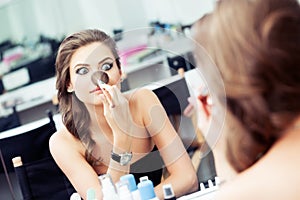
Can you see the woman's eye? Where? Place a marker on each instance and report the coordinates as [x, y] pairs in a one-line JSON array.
[[106, 66], [82, 70]]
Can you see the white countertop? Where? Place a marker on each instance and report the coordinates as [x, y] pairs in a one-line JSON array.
[[30, 95], [30, 126]]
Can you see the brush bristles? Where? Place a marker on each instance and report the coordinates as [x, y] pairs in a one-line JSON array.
[[100, 77]]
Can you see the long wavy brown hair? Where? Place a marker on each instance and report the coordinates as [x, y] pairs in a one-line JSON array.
[[256, 47], [74, 113]]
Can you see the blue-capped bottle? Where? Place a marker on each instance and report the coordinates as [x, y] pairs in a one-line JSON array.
[[146, 189], [131, 186]]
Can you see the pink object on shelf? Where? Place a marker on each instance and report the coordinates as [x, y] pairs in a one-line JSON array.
[[130, 51], [11, 58]]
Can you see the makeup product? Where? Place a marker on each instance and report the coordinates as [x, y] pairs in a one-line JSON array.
[[146, 189], [168, 192], [108, 187], [99, 77], [75, 196], [205, 193], [131, 186], [90, 194], [123, 190]]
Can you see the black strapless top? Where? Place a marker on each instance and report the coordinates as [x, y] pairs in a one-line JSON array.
[[150, 165]]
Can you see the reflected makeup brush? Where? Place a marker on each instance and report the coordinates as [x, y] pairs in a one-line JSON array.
[[99, 78]]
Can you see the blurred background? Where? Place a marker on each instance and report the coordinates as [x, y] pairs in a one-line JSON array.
[[31, 31], [26, 20]]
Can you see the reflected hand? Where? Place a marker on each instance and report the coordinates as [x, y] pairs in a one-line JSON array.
[[190, 109], [204, 102]]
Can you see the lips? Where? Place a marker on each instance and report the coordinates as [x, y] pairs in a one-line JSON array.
[[95, 90]]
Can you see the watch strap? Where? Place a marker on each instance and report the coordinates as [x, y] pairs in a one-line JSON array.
[[122, 159], [116, 157]]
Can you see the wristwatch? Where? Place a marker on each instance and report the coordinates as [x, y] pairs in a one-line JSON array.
[[123, 158]]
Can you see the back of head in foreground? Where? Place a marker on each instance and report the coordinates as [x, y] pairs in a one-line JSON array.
[[255, 45]]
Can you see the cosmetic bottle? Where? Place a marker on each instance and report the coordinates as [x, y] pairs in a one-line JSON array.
[[146, 189], [168, 192], [90, 194], [123, 190], [131, 186], [217, 181], [108, 188], [75, 196]]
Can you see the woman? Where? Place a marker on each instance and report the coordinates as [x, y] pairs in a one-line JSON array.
[[256, 46], [105, 130]]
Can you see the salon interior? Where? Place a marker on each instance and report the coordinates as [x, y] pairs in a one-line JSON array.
[[155, 46]]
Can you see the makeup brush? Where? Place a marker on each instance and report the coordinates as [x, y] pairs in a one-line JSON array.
[[100, 77]]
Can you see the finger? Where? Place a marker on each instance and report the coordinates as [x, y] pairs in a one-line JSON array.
[[113, 93], [117, 95], [188, 111], [107, 95], [192, 101], [105, 102]]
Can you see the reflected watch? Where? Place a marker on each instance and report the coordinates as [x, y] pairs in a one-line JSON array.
[[123, 158]]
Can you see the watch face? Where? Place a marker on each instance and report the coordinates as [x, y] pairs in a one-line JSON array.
[[125, 158]]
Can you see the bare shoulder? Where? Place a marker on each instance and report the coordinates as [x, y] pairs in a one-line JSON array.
[[142, 95], [62, 143]]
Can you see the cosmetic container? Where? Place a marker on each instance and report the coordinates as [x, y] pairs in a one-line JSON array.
[[123, 191], [168, 192], [108, 188], [131, 186], [90, 194], [75, 196], [146, 189]]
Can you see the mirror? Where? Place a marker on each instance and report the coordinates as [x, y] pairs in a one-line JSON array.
[[28, 22]]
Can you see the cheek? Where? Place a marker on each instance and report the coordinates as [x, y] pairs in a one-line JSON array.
[[114, 77], [82, 81], [82, 86]]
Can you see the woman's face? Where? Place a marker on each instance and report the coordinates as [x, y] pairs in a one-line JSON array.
[[85, 61]]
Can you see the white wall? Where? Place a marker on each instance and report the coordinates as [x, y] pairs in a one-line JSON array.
[[132, 14], [177, 11], [5, 27], [56, 18]]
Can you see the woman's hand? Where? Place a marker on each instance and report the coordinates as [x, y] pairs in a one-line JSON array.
[[117, 112]]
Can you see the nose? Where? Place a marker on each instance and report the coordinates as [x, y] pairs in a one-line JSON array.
[[99, 76]]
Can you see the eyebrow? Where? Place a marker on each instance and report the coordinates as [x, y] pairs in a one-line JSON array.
[[101, 61]]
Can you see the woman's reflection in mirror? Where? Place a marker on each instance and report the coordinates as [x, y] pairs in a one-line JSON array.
[[95, 132]]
